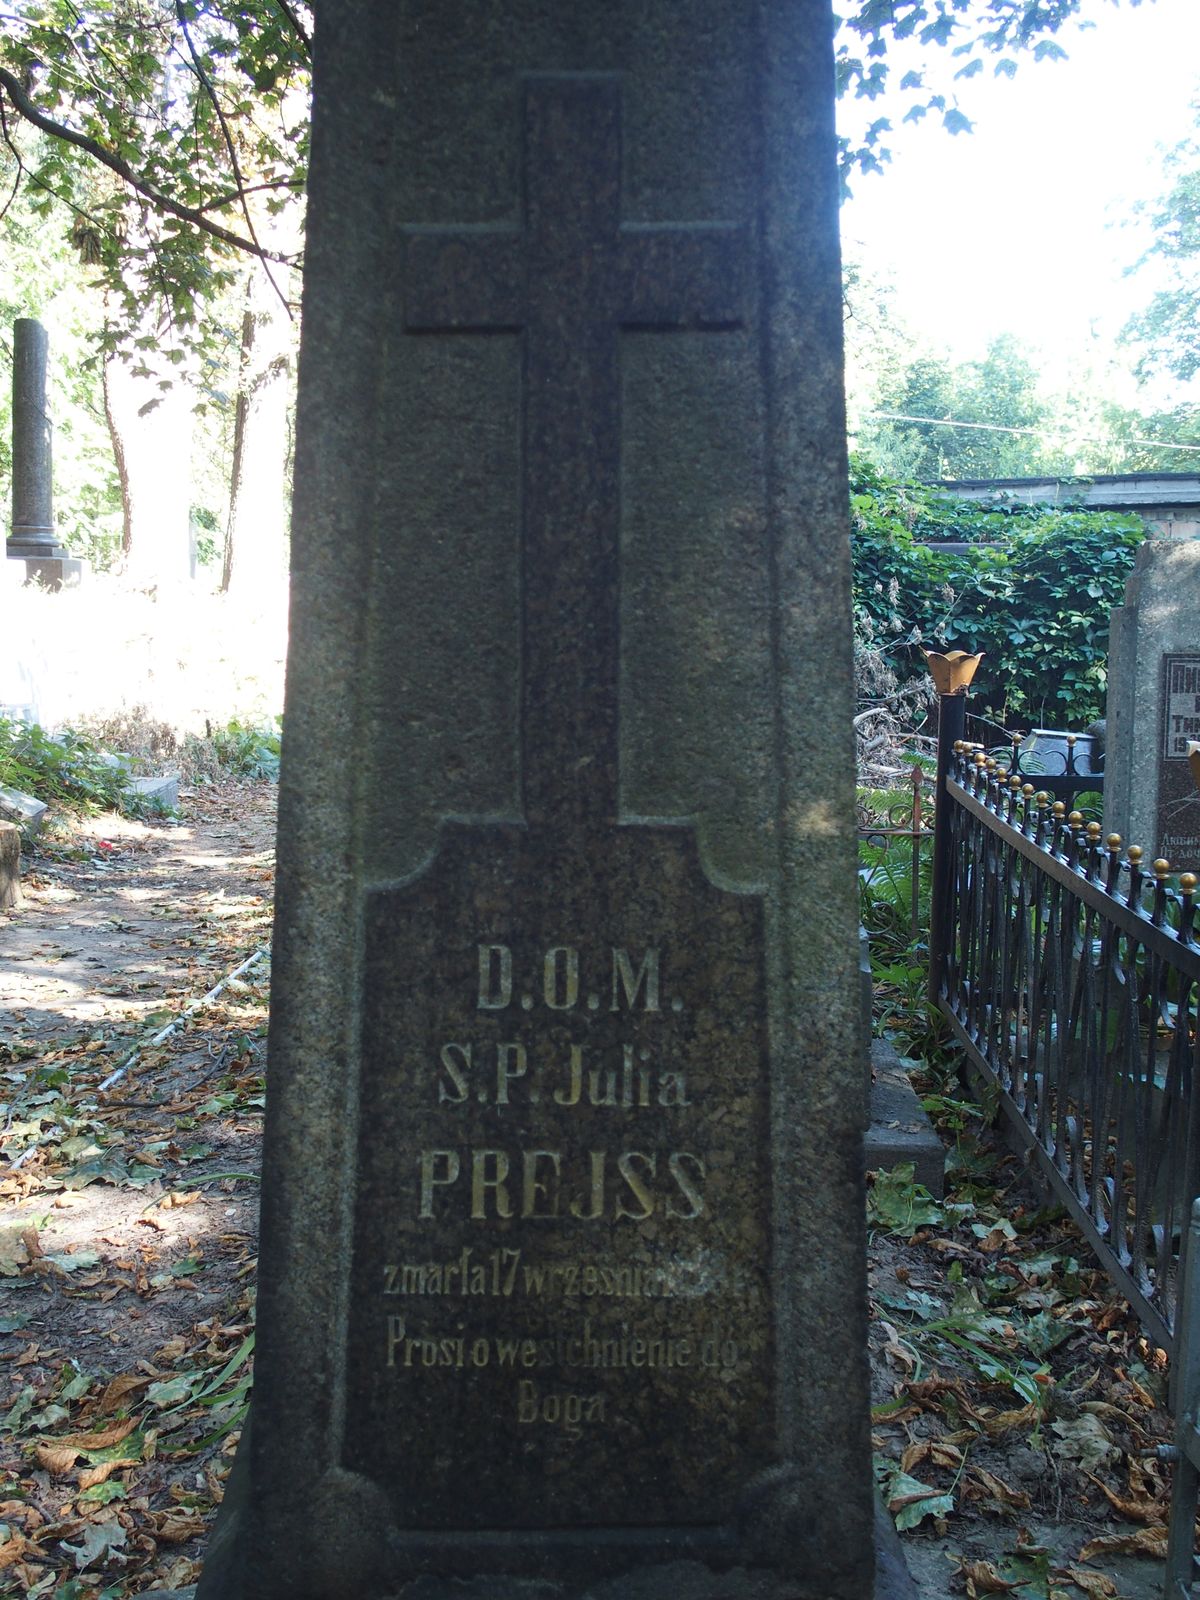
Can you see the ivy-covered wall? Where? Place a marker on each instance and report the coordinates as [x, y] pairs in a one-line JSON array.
[[1035, 595]]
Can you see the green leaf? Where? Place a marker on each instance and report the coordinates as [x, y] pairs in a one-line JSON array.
[[910, 1501], [896, 1203]]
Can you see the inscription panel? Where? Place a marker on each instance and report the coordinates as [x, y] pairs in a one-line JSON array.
[[559, 1310], [1178, 802]]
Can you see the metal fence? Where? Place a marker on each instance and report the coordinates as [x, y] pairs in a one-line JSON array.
[[1070, 975]]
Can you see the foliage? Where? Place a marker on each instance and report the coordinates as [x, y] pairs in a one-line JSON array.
[[999, 392], [166, 131], [65, 767], [1034, 597], [971, 33], [242, 750], [1167, 329]]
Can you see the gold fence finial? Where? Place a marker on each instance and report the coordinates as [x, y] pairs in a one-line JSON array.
[[952, 672]]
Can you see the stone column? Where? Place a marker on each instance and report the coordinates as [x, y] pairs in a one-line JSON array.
[[32, 539], [566, 983]]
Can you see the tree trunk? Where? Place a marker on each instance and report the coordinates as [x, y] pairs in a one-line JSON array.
[[151, 431], [256, 533]]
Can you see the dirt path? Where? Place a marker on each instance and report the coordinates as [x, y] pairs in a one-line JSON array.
[[128, 1174]]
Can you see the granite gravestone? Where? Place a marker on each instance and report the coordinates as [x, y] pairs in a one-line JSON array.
[[1150, 796], [32, 539], [562, 1281]]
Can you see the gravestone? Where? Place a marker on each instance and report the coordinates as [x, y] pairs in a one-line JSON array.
[[32, 539], [1150, 796], [562, 1261]]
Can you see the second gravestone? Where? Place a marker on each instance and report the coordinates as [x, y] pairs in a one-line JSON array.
[[562, 1283], [1150, 795]]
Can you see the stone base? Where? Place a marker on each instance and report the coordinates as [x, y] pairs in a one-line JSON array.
[[10, 866], [893, 1580], [52, 572], [900, 1131]]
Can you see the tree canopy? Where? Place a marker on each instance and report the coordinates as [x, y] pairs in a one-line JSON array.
[[1168, 330], [964, 35], [170, 130]]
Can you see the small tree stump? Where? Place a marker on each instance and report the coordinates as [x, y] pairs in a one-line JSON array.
[[10, 865]]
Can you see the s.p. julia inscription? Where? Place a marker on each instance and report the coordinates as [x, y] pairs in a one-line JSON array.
[[562, 1229]]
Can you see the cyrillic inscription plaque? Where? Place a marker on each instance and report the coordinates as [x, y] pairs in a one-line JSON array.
[[1178, 802]]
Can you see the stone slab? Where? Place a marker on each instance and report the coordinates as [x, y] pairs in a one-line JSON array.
[[900, 1128], [10, 866], [22, 809], [163, 790]]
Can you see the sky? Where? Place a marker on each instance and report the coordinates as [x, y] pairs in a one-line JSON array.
[[1025, 225]]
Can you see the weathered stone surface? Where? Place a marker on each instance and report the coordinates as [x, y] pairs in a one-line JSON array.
[[164, 790], [22, 809], [1153, 708], [10, 865], [32, 473], [562, 1288], [900, 1129]]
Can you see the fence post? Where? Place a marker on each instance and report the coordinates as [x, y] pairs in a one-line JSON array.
[[952, 674]]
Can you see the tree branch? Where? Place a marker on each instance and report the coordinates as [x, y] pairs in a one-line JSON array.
[[230, 149], [115, 163], [296, 26]]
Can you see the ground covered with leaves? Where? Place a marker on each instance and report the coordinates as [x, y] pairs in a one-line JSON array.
[[1017, 1405], [1018, 1408], [128, 1185]]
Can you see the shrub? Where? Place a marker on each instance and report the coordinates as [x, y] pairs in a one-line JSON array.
[[1035, 595]]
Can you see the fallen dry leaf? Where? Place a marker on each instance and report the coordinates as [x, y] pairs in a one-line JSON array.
[[91, 1476], [56, 1458], [996, 1489], [118, 1390], [982, 1578], [20, 1511], [1142, 1541], [1096, 1584], [13, 1548], [937, 1451], [898, 1354], [98, 1441], [177, 1525], [1137, 1508], [999, 1422]]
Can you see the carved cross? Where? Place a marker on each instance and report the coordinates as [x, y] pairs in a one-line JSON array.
[[569, 280]]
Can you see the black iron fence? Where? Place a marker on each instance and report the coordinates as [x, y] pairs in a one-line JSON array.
[[1070, 975]]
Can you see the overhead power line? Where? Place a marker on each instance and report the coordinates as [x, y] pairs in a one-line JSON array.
[[1038, 433]]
